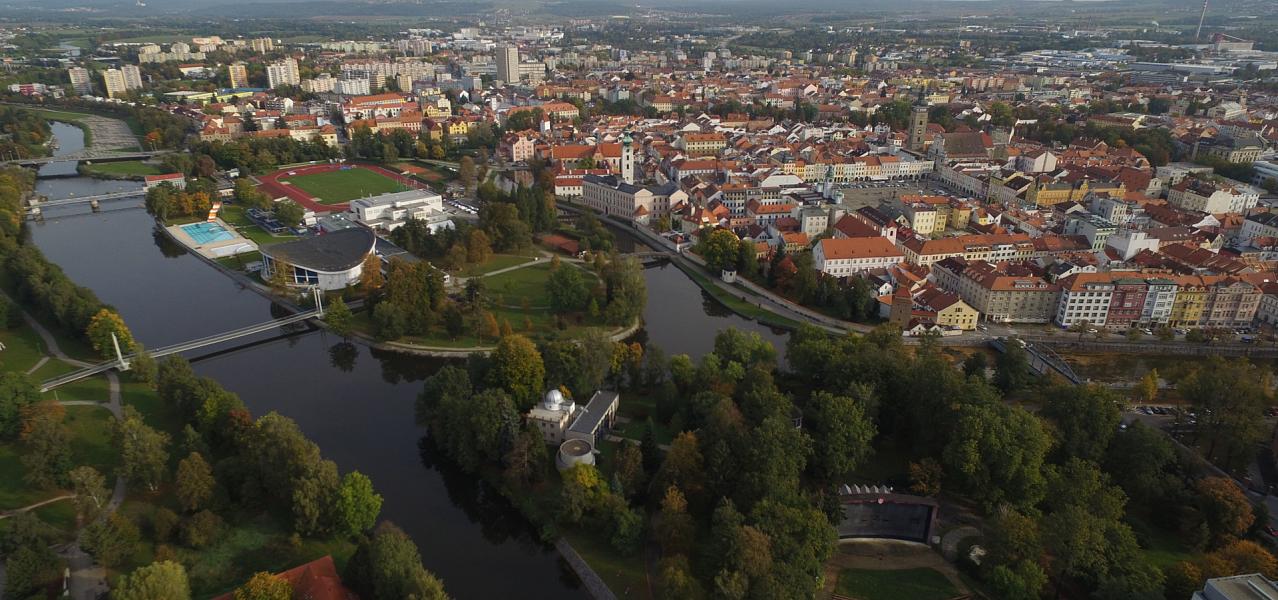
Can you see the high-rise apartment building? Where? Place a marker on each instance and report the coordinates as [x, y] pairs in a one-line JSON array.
[[81, 81], [508, 64], [283, 73], [132, 77], [114, 80], [239, 75], [262, 44]]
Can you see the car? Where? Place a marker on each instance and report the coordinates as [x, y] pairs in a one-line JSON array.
[[982, 328], [1147, 331], [1269, 529]]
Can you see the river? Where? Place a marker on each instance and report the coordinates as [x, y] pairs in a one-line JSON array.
[[355, 402]]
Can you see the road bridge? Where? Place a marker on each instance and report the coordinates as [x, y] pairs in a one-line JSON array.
[[196, 344], [37, 207], [86, 155]]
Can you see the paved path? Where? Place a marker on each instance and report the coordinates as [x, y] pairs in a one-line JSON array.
[[886, 555], [39, 363], [9, 513], [88, 581]]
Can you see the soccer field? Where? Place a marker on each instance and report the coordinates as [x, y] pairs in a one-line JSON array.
[[336, 187]]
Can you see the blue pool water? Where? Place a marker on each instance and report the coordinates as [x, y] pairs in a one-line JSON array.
[[204, 233]]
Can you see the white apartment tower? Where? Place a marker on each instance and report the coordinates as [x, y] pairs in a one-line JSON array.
[[283, 73], [508, 64], [132, 77], [239, 75], [81, 82]]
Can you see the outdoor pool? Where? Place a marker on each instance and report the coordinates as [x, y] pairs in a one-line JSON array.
[[204, 233]]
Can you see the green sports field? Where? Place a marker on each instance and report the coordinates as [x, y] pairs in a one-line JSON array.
[[336, 187]]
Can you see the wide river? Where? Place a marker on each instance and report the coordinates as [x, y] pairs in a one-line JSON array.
[[355, 402]]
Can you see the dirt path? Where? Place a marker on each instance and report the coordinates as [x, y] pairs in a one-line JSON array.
[[9, 513], [886, 555]]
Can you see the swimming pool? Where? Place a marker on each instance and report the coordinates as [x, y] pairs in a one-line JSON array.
[[205, 233]]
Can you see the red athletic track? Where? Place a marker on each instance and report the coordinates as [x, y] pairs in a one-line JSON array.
[[270, 184]]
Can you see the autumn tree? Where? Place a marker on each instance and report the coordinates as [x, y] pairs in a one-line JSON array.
[[264, 586], [103, 325], [16, 393], [517, 368], [194, 482], [157, 581], [1226, 509], [466, 173], [371, 273], [478, 247], [48, 444], [719, 249]]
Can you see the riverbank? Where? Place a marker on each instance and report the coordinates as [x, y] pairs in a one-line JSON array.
[[127, 170]]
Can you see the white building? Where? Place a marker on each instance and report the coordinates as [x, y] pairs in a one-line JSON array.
[[849, 256], [1239, 587], [1084, 298], [283, 73], [81, 80], [388, 212], [1212, 197], [332, 261]]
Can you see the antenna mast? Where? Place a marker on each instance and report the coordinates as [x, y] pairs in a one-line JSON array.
[[1201, 17]]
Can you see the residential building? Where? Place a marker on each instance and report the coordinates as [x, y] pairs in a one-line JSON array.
[[1213, 197], [947, 309], [987, 247], [238, 73], [612, 195], [113, 81], [1260, 225], [1095, 228], [849, 256], [81, 80], [1084, 297], [999, 294], [283, 73]]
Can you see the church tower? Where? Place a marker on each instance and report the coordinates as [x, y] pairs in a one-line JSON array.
[[627, 159], [918, 127]]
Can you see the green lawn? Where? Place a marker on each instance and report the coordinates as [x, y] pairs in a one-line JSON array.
[[739, 306], [496, 263], [513, 287], [335, 187], [91, 438], [233, 214], [124, 167], [904, 584], [624, 575], [23, 348]]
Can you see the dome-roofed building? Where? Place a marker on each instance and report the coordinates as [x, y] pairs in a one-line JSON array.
[[574, 452], [553, 416], [331, 261]]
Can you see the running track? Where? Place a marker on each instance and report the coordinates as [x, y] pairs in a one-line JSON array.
[[271, 185]]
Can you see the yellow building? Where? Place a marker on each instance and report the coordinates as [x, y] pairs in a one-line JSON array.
[[1190, 303]]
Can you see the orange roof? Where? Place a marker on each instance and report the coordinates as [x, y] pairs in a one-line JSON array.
[[865, 247], [315, 580]]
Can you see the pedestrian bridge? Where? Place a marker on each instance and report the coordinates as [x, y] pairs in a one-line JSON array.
[[196, 344]]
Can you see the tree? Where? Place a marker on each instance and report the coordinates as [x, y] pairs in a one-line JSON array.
[[289, 213], [674, 528], [1147, 391], [194, 482], [975, 365], [1246, 556], [201, 529], [48, 444], [143, 450], [568, 289], [30, 570], [527, 458], [996, 454], [1137, 459], [1226, 509], [517, 368], [628, 469], [339, 318], [1230, 398], [478, 247], [265, 586], [841, 435], [388, 566], [925, 477], [111, 540], [1086, 417], [105, 323], [582, 492], [466, 173], [90, 490], [371, 273], [157, 581], [1023, 580], [357, 504], [1012, 369], [16, 393], [719, 249], [142, 367]]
